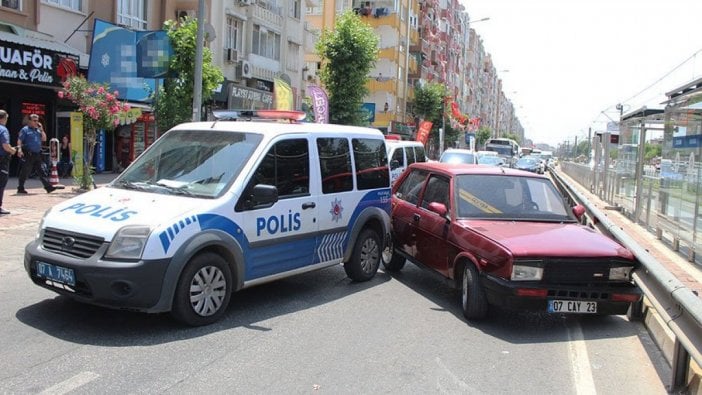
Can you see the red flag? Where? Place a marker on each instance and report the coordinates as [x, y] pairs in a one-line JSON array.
[[423, 132]]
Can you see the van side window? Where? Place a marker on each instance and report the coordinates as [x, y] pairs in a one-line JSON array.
[[398, 159], [410, 155], [371, 161], [421, 155], [286, 166], [335, 162]]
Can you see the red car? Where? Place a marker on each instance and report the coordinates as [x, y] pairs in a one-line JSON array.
[[507, 238]]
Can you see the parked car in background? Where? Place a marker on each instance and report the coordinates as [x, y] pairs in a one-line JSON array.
[[459, 155], [491, 160], [531, 164], [484, 229]]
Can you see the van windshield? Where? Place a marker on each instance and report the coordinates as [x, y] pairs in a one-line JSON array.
[[190, 162]]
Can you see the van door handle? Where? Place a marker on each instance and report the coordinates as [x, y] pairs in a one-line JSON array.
[[307, 205]]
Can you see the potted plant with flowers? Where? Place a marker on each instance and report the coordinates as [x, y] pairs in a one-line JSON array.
[[100, 108]]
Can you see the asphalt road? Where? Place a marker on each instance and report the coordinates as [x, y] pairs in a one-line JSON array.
[[314, 333]]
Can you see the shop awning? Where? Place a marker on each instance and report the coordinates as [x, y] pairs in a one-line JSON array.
[[45, 44]]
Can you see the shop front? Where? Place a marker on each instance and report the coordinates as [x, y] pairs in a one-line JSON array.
[[31, 73]]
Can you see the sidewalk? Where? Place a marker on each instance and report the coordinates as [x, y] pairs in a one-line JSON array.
[[26, 210]]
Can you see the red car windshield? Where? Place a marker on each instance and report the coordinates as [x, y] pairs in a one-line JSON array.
[[510, 198]]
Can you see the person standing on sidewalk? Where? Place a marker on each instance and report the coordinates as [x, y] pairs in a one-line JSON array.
[[6, 152], [29, 147]]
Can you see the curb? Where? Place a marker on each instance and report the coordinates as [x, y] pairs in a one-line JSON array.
[[665, 340]]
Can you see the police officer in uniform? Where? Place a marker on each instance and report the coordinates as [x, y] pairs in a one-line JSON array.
[[29, 147], [6, 152]]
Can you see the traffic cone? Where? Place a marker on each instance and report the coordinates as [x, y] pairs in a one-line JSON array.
[[54, 178]]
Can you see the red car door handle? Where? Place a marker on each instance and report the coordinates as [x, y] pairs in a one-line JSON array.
[[416, 217]]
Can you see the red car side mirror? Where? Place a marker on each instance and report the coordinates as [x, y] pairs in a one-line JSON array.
[[438, 208], [579, 211]]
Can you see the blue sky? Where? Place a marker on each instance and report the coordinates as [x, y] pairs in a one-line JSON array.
[[571, 61]]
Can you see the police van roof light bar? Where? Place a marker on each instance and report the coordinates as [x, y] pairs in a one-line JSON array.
[[235, 115]]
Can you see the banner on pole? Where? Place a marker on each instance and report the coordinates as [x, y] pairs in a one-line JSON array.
[[423, 132]]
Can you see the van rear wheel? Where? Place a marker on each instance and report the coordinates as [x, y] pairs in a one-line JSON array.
[[365, 259], [204, 290]]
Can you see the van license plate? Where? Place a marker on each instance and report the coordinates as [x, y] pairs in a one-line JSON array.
[[56, 273], [572, 306]]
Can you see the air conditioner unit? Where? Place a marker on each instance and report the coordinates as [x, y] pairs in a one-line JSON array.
[[231, 55], [247, 2], [184, 13], [246, 71]]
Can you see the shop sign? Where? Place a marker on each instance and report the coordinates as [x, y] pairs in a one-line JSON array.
[[241, 96], [39, 66]]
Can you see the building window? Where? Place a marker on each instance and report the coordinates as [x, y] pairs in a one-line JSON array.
[[14, 4], [265, 43], [314, 10], [293, 61], [295, 9], [132, 13], [75, 5], [235, 27]]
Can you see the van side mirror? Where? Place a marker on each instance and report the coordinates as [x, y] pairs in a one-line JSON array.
[[394, 164], [263, 196]]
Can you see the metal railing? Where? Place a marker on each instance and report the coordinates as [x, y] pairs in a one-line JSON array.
[[677, 304]]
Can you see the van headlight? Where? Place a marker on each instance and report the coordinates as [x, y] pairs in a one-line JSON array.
[[526, 273], [620, 273], [128, 243]]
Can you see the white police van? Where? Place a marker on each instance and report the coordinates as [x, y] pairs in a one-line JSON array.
[[402, 154], [214, 207]]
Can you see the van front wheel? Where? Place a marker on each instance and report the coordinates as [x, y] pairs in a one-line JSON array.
[[365, 259], [204, 290]]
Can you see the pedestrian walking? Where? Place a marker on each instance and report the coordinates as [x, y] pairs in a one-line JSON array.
[[29, 147], [65, 162], [6, 153]]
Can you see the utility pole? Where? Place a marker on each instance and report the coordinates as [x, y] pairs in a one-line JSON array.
[[197, 76]]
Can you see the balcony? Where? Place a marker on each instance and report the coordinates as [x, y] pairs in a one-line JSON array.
[[392, 19], [388, 53], [388, 85]]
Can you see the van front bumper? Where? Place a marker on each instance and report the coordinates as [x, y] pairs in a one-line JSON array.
[[130, 285]]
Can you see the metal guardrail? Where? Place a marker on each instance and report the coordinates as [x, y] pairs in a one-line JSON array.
[[677, 305]]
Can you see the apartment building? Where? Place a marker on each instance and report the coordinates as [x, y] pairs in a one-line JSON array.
[[390, 81], [256, 42]]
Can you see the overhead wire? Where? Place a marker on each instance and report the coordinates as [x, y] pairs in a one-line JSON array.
[[603, 111]]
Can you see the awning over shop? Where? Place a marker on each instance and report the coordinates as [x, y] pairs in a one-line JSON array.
[[45, 44]]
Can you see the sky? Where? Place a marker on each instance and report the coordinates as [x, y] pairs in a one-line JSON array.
[[565, 64]]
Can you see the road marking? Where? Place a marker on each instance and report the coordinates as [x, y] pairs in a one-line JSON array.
[[69, 385], [449, 383], [579, 361]]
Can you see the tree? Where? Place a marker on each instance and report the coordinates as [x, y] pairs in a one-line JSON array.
[[429, 106], [100, 108], [512, 136], [348, 53], [652, 151], [583, 148], [173, 101], [482, 135]]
